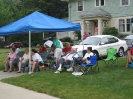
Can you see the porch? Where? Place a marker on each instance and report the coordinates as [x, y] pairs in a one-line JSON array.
[[95, 18]]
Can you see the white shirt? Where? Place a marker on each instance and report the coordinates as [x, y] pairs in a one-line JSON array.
[[70, 56], [87, 55], [60, 44], [17, 50], [36, 56], [26, 56]]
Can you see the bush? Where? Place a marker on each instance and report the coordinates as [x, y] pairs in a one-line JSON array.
[[38, 45], [121, 35], [78, 33], [2, 44], [66, 39], [110, 31], [34, 43]]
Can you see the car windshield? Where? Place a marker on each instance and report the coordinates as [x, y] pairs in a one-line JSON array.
[[129, 37], [90, 41]]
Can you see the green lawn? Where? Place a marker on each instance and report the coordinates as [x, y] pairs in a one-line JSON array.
[[109, 83]]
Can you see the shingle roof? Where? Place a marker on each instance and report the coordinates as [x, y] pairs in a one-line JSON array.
[[96, 12]]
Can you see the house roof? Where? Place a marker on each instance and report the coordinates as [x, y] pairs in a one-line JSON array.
[[95, 13]]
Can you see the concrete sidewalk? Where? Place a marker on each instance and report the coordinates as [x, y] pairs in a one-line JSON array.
[[8, 91], [8, 74]]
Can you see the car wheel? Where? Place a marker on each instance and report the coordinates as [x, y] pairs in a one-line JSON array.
[[121, 52]]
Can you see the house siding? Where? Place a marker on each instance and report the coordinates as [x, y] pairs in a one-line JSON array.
[[112, 6]]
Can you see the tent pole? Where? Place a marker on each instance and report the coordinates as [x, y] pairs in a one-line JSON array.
[[82, 43], [43, 35], [29, 51]]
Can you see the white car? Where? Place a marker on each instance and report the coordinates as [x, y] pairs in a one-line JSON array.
[[100, 43]]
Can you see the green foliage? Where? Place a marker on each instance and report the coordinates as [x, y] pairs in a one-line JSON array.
[[66, 39], [78, 33], [2, 44], [36, 38], [12, 10], [5, 14], [38, 45], [55, 8], [110, 31], [121, 35]]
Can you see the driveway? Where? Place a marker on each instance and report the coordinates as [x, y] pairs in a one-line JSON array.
[[8, 91]]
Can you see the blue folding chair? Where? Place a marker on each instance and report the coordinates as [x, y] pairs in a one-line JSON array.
[[92, 66], [131, 65]]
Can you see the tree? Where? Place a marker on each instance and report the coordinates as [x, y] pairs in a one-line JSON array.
[[5, 14], [55, 8], [15, 8], [21, 8]]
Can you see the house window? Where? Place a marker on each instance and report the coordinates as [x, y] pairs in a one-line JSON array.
[[124, 2], [80, 5], [124, 25], [100, 2], [121, 25], [128, 25]]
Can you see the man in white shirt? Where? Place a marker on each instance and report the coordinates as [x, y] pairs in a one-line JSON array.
[[17, 49], [66, 60], [23, 60], [84, 60], [36, 58]]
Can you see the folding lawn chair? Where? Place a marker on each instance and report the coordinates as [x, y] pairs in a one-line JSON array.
[[44, 58], [111, 59], [21, 53], [131, 64], [92, 66], [71, 62], [24, 65], [15, 65]]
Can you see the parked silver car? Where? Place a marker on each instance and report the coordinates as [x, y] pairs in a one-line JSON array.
[[129, 40]]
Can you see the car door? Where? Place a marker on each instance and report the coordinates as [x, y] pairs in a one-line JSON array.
[[104, 44], [113, 42]]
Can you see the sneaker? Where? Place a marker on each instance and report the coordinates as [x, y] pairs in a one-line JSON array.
[[54, 66], [78, 73], [57, 72], [73, 73], [70, 69], [30, 72]]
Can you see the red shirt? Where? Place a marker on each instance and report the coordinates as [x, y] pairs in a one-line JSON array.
[[67, 49], [42, 49], [96, 29], [85, 36], [131, 50]]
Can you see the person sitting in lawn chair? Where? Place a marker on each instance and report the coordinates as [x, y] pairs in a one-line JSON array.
[[66, 60], [10, 60], [67, 48], [36, 58], [84, 60], [42, 49], [23, 60], [129, 57]]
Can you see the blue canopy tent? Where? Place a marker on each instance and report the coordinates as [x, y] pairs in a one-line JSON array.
[[38, 22]]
